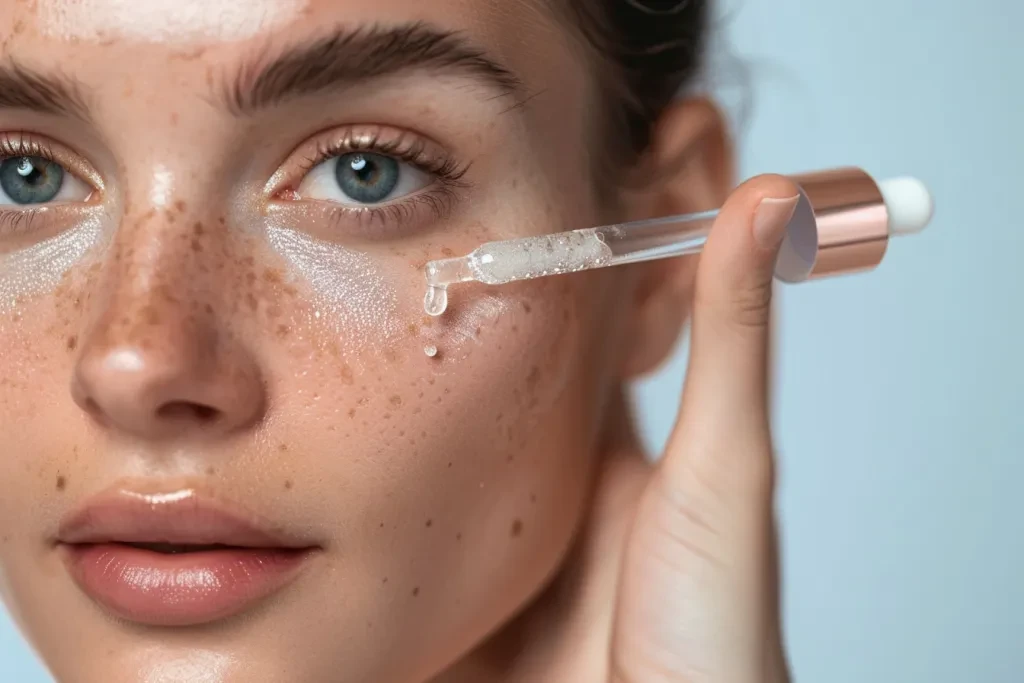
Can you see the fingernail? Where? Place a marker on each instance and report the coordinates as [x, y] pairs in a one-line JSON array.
[[771, 220]]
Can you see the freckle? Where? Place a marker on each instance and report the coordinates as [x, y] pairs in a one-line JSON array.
[[209, 309], [447, 252], [517, 528], [62, 482], [430, 523], [413, 329], [283, 331], [210, 471], [283, 447], [415, 591], [396, 400], [288, 484], [72, 343], [197, 247], [352, 413], [458, 536], [272, 275], [387, 416], [533, 378]]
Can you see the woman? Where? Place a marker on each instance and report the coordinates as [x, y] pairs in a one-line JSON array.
[[226, 455]]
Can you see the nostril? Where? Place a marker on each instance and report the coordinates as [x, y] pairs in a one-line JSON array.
[[92, 407], [185, 410]]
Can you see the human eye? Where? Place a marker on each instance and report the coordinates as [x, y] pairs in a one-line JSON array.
[[376, 175], [31, 174], [41, 180]]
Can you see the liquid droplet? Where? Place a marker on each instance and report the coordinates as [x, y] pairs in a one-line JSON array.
[[436, 300], [430, 350]]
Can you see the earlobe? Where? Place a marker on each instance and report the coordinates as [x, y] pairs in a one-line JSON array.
[[688, 168]]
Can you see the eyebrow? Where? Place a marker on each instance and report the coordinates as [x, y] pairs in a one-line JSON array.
[[21, 88], [346, 58]]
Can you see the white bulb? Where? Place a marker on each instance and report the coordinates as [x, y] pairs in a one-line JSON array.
[[909, 203]]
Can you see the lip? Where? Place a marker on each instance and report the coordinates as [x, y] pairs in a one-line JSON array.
[[251, 561]]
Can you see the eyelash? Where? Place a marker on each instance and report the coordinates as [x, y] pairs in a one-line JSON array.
[[438, 198], [405, 147], [17, 144]]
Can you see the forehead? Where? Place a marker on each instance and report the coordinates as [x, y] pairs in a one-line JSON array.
[[82, 35], [202, 21]]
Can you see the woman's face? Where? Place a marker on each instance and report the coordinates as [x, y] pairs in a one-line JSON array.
[[212, 332]]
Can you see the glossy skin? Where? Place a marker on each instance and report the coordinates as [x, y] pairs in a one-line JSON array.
[[197, 274]]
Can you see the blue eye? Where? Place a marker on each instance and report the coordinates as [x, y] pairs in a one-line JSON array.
[[30, 180], [367, 178], [362, 179]]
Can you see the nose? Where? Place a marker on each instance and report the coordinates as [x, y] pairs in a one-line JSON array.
[[182, 384], [161, 362]]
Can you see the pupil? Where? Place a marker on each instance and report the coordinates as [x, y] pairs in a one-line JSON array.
[[367, 178]]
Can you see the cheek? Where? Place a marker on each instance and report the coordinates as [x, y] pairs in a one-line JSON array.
[[40, 427], [459, 468]]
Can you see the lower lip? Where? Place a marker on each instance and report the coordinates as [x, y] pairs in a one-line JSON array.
[[184, 589]]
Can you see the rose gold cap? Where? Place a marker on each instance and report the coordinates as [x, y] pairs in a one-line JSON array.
[[851, 217]]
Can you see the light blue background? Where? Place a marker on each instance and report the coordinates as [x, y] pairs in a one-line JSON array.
[[899, 392]]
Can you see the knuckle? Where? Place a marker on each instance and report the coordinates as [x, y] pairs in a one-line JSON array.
[[750, 307], [747, 307]]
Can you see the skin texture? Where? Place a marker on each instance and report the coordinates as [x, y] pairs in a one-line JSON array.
[[470, 510]]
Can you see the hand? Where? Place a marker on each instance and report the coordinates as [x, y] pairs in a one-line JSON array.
[[697, 600], [675, 579]]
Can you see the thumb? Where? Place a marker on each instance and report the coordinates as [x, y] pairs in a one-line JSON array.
[[731, 314]]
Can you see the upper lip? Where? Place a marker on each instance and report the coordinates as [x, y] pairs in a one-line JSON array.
[[182, 517]]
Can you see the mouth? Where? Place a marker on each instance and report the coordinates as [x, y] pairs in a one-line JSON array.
[[176, 560]]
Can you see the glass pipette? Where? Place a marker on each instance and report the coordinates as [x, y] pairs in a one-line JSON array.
[[839, 202]]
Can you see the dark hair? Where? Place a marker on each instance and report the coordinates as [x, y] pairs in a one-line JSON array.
[[646, 52]]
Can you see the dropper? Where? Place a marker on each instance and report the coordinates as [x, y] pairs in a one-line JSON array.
[[841, 224]]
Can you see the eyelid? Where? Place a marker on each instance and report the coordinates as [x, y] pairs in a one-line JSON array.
[[23, 143], [406, 146]]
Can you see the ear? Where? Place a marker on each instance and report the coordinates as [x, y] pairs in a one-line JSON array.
[[688, 168]]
